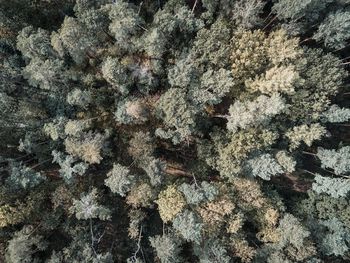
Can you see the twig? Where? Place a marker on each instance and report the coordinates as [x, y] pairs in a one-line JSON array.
[[134, 256], [138, 12], [273, 19], [194, 6], [92, 238]]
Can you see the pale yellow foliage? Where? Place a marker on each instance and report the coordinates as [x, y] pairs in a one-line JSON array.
[[268, 235], [249, 193], [242, 250], [278, 79], [235, 223], [140, 196], [281, 48], [305, 133], [215, 211], [271, 216], [170, 203], [248, 54]]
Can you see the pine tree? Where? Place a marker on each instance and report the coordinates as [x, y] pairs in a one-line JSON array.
[[335, 187], [88, 208], [189, 226], [167, 248], [254, 113], [334, 30], [119, 179], [338, 160]]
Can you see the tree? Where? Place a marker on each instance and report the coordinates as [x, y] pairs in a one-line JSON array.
[[195, 194], [170, 203], [87, 146], [119, 179], [254, 113], [46, 74], [283, 79], [68, 165], [22, 176], [125, 23], [213, 251], [78, 97], [305, 133], [189, 226], [246, 13], [88, 208], [167, 248], [116, 74], [23, 246], [336, 114], [335, 242], [74, 39], [177, 114], [335, 187], [264, 166], [35, 43], [334, 30], [338, 160]]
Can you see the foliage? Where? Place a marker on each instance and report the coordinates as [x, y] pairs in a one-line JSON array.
[[23, 246], [337, 114], [306, 134], [167, 248], [334, 29], [335, 187], [264, 166], [119, 179], [87, 207], [68, 165], [174, 131], [22, 176], [170, 203], [336, 240], [338, 160], [254, 113], [188, 225]]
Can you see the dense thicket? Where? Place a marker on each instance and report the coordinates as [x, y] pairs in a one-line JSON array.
[[174, 131]]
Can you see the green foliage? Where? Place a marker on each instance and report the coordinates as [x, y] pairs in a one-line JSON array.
[[119, 179], [334, 30], [125, 23], [177, 114], [336, 240], [22, 176], [336, 114], [23, 246], [135, 131], [167, 248], [338, 160], [287, 162], [87, 207], [78, 97], [306, 134], [34, 43], [264, 166], [212, 251], [254, 113], [189, 226], [116, 74], [335, 187], [155, 170], [246, 14], [46, 74], [69, 166], [196, 194]]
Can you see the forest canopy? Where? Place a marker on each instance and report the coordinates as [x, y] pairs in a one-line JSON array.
[[174, 131]]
